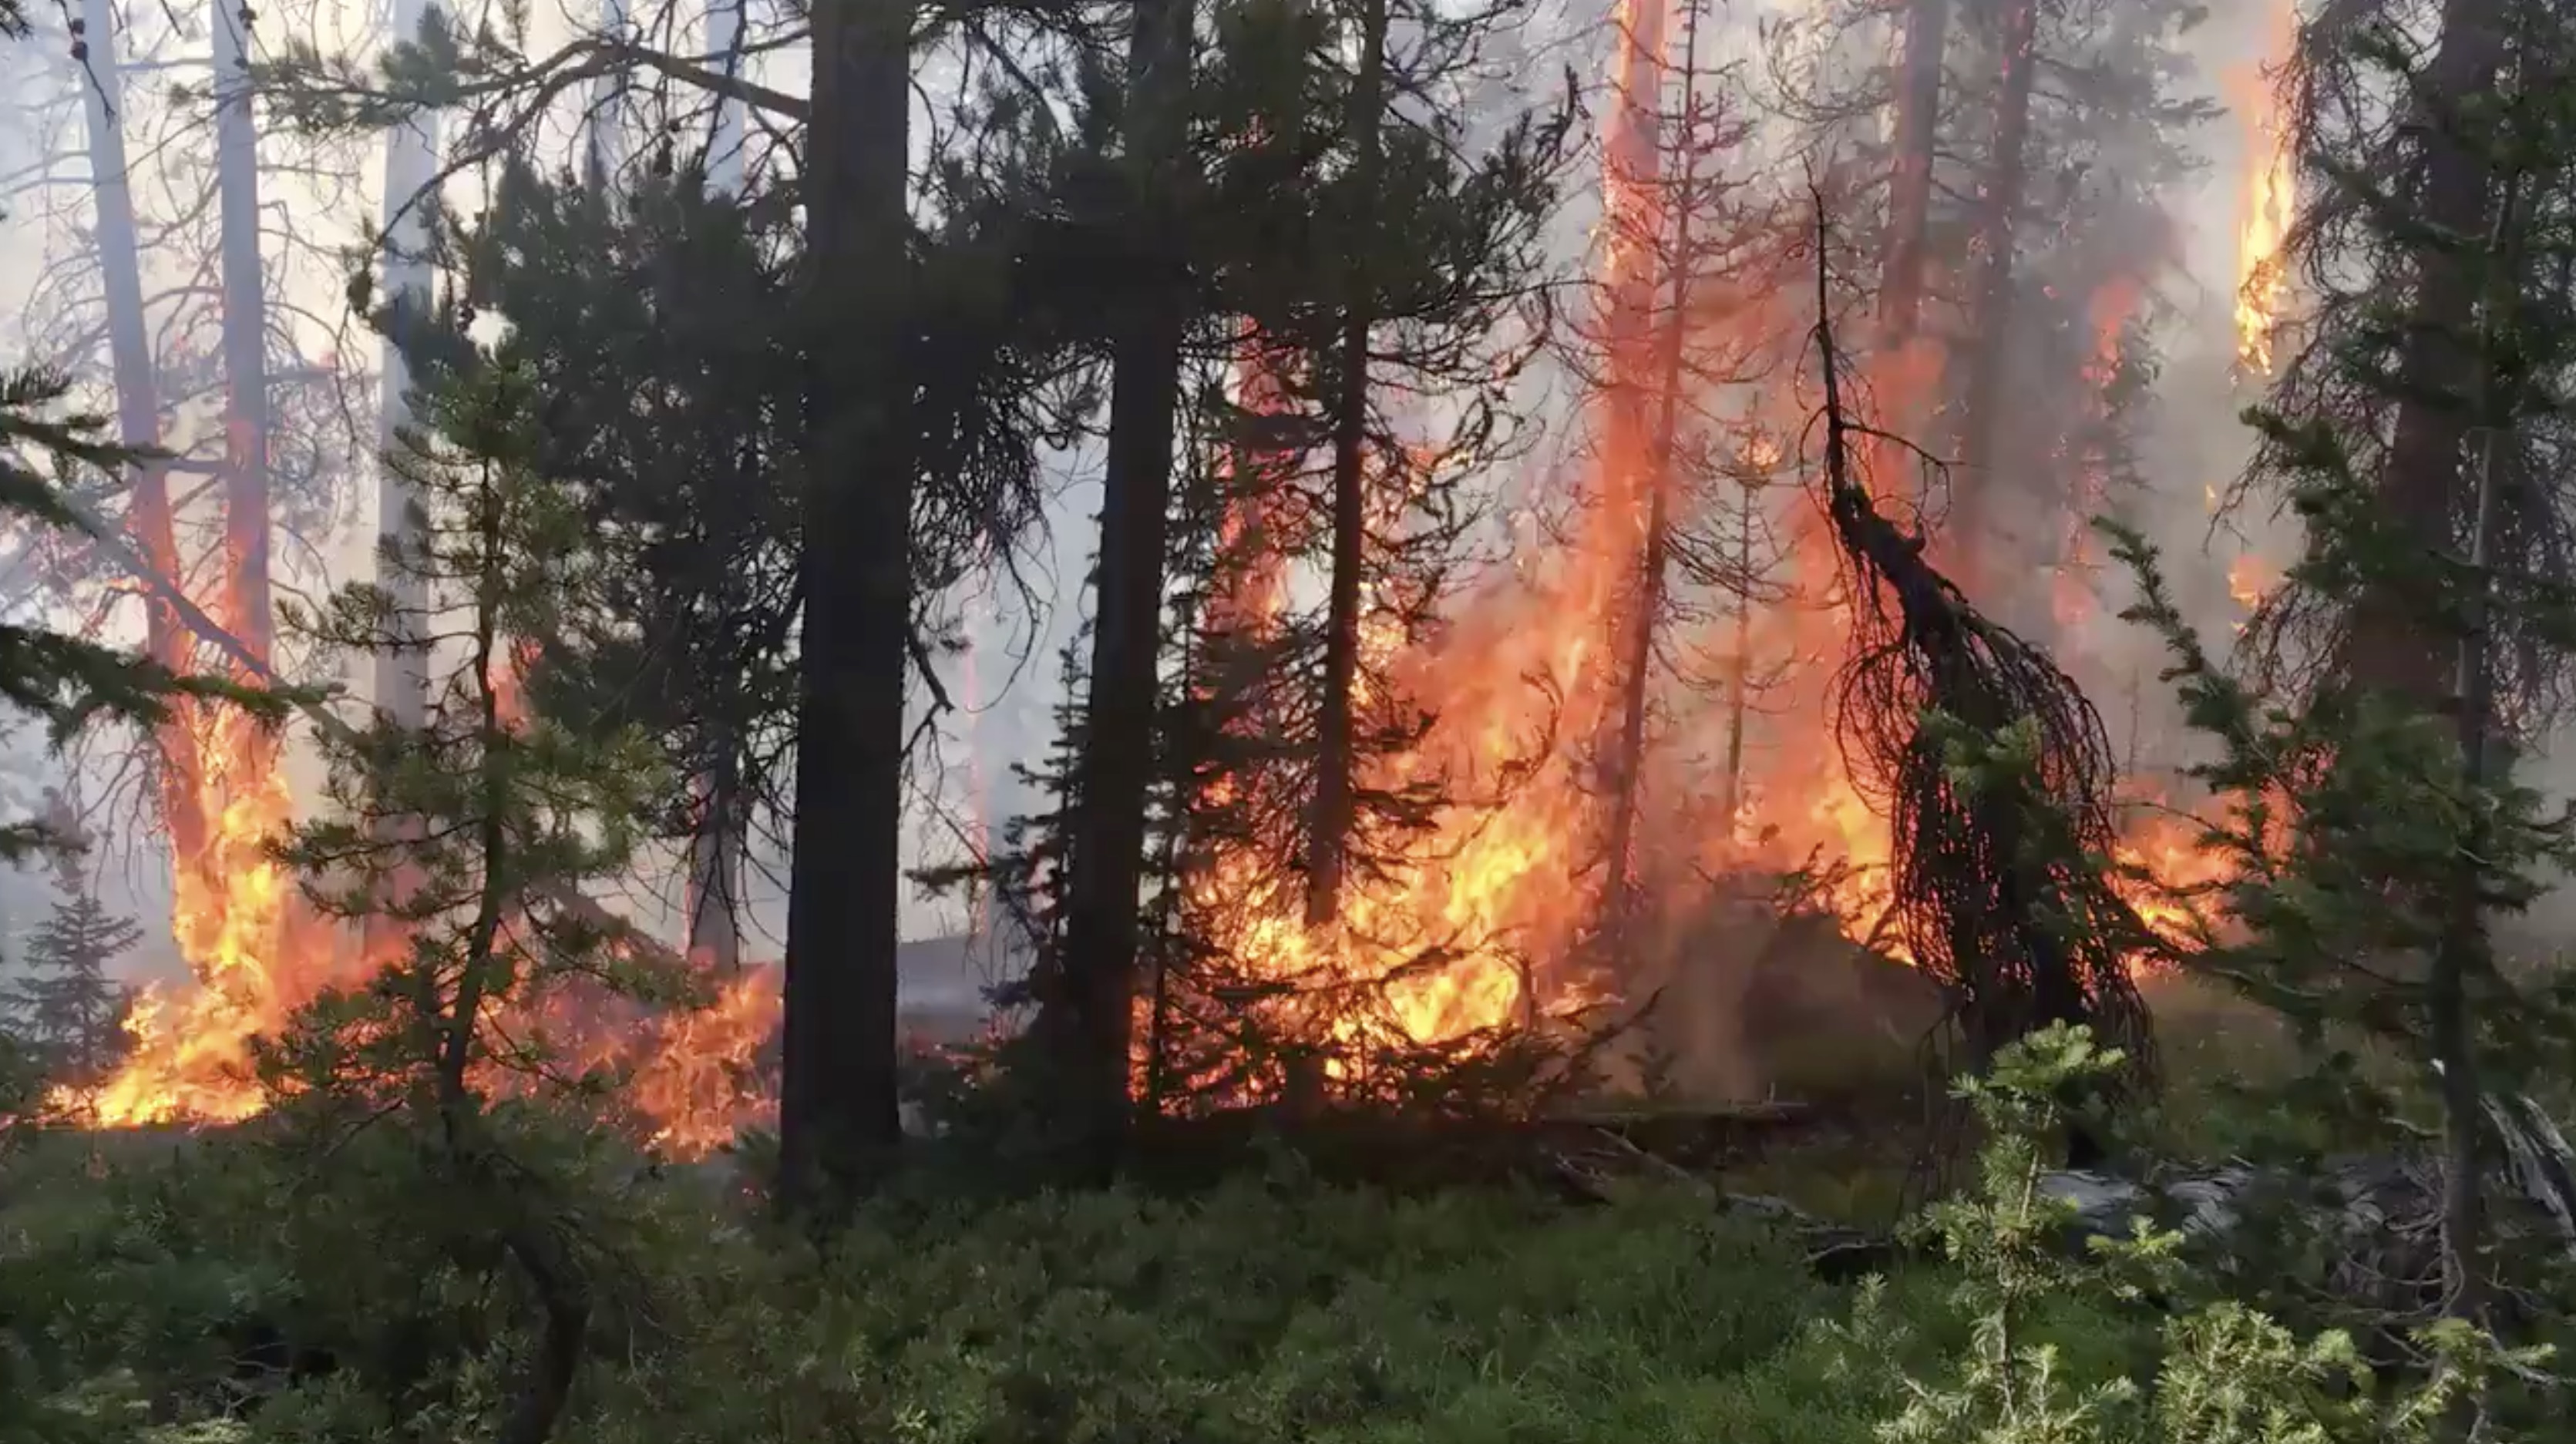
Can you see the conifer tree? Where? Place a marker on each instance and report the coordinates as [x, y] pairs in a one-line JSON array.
[[2375, 825], [70, 1007], [448, 1045]]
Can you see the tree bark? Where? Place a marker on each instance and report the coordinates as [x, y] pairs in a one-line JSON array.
[[1092, 1003], [1329, 830], [837, 1105]]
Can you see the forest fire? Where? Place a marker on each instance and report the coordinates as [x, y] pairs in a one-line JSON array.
[[1491, 915]]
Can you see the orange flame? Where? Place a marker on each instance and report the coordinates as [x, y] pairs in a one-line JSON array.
[[232, 913], [2270, 201]]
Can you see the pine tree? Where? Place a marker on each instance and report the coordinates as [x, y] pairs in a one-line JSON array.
[[2375, 826], [70, 1008]]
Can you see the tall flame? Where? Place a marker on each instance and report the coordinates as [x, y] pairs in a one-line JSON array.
[[2270, 202], [233, 917]]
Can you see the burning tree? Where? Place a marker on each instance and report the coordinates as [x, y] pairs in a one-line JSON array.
[[225, 369], [1386, 347], [1686, 335], [1996, 772]]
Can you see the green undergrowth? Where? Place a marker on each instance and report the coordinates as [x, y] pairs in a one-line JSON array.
[[1271, 1309]]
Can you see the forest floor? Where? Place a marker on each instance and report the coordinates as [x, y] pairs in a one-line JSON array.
[[1275, 1305]]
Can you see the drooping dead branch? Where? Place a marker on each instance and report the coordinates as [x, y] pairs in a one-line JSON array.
[[1996, 772]]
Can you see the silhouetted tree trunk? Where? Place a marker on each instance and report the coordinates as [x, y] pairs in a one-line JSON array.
[[2395, 645], [1328, 836], [1088, 1013], [837, 1103]]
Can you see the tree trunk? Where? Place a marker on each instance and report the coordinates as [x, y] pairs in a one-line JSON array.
[[603, 131], [2396, 647], [725, 130], [401, 678], [2007, 173], [1909, 193], [1329, 830], [714, 892], [245, 338], [138, 407], [1638, 665], [2466, 952], [1739, 688], [837, 1104], [1093, 1002]]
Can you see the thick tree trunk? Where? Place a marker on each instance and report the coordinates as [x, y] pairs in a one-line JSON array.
[[1329, 830], [138, 407], [1093, 1002], [1990, 332], [245, 337], [837, 1105], [2396, 647]]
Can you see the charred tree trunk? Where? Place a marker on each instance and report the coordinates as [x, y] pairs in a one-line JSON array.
[[245, 338], [1739, 688], [2007, 174], [714, 893], [138, 407], [1093, 1001], [1329, 831], [2394, 649], [1909, 194], [837, 1103]]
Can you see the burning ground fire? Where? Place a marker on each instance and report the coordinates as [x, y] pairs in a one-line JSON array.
[[1444, 948]]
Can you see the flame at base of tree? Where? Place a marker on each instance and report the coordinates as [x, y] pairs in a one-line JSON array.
[[248, 947]]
